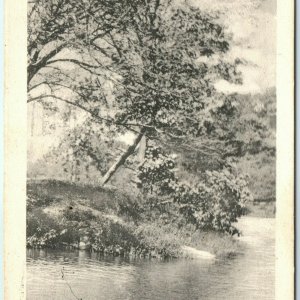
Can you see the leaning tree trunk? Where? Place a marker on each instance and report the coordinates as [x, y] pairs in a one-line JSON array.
[[142, 149], [123, 157]]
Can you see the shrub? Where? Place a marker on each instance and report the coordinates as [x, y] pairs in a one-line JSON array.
[[106, 233], [162, 239], [42, 230], [213, 204]]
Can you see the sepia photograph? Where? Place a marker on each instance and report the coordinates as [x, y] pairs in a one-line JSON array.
[[151, 150]]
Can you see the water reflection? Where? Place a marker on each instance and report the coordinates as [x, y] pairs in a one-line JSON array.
[[91, 276]]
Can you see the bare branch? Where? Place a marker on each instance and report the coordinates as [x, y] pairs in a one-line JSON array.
[[37, 85], [92, 113], [32, 69], [81, 64]]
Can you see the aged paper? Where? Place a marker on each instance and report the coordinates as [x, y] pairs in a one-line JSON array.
[[263, 39]]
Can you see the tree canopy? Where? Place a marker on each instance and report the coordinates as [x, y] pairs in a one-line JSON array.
[[152, 53], [147, 67]]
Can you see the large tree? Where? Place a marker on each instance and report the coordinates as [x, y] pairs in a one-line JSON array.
[[148, 67]]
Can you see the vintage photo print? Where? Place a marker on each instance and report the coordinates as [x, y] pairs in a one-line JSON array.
[[149, 149]]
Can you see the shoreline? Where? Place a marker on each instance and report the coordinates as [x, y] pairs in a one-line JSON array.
[[64, 216]]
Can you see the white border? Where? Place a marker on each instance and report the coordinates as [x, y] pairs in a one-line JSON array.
[[15, 149], [285, 151]]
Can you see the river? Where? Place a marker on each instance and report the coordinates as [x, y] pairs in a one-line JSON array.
[[58, 275]]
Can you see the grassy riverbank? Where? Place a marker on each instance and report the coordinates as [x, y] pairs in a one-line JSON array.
[[261, 209], [61, 214]]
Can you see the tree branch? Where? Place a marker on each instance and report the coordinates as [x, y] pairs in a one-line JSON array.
[[32, 69], [81, 64], [93, 114]]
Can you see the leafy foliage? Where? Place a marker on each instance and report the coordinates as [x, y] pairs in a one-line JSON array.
[[149, 68], [147, 238], [156, 173], [216, 203], [149, 54], [213, 203]]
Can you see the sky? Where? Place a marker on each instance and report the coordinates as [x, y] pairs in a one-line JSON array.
[[253, 25]]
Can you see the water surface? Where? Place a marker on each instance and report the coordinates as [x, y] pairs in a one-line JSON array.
[[86, 276]]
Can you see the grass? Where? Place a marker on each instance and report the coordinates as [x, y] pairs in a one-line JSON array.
[[261, 209], [61, 213], [221, 245], [99, 197]]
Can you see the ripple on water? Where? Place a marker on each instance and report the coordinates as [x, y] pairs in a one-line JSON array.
[[247, 276]]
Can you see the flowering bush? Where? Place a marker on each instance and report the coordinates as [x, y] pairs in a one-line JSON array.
[[216, 202], [212, 204]]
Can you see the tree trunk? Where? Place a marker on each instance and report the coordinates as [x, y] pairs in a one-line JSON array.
[[142, 149], [122, 158]]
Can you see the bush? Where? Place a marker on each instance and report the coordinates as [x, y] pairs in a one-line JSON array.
[[159, 238], [213, 204], [42, 230], [105, 234]]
